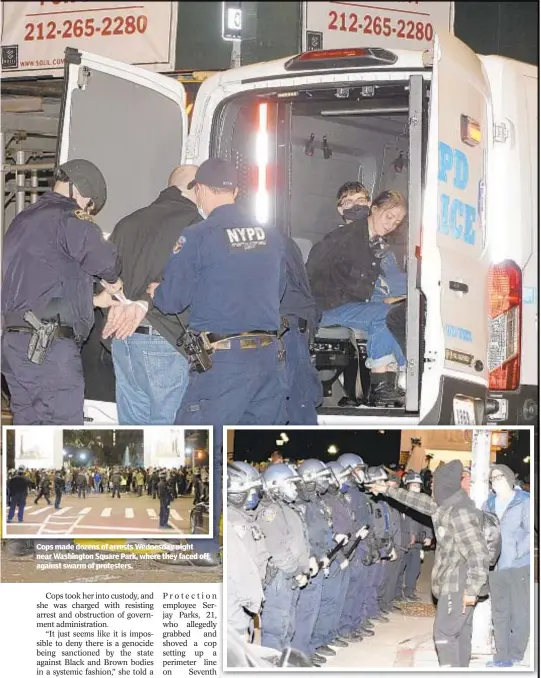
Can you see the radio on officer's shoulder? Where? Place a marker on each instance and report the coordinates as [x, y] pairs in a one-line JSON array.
[[197, 347]]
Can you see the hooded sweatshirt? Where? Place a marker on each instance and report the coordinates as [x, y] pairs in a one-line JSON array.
[[462, 559]]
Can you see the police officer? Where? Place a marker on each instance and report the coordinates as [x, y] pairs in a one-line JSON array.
[[165, 497], [53, 250], [18, 486], [382, 550], [335, 586], [59, 487], [44, 489], [314, 475], [420, 535], [248, 565], [400, 539], [354, 619], [287, 540], [115, 480], [299, 322], [231, 275]]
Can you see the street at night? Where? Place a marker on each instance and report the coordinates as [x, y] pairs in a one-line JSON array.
[[99, 514]]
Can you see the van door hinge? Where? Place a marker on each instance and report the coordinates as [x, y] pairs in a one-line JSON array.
[[83, 76], [501, 133]]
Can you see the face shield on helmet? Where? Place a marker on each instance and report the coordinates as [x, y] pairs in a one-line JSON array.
[[280, 482], [355, 465], [243, 485], [339, 476], [315, 476], [413, 481]]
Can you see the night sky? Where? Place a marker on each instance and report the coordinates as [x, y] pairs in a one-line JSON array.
[[374, 447]]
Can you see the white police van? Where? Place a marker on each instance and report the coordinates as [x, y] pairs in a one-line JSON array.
[[455, 132]]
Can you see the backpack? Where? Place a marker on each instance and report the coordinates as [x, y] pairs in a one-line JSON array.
[[490, 524]]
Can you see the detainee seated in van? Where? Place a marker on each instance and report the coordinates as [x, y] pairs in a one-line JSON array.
[[355, 278]]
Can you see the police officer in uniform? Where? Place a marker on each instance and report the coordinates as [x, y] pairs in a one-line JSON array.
[[299, 322], [287, 540], [400, 539], [420, 535], [315, 481], [53, 250], [59, 487], [335, 586], [248, 565], [18, 486], [230, 273], [164, 495], [354, 618]]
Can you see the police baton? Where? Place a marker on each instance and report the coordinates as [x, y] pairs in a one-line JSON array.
[[332, 554], [349, 554]]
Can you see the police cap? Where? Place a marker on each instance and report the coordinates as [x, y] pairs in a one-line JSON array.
[[88, 180], [215, 173]]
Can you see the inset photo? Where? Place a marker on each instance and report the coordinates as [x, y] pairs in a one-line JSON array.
[[379, 550], [103, 482]]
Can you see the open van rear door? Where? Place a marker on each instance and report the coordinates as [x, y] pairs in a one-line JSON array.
[[130, 122], [455, 258]]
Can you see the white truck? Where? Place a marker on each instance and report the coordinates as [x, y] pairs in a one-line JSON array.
[[455, 131]]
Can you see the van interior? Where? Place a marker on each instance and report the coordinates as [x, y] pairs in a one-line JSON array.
[[317, 140]]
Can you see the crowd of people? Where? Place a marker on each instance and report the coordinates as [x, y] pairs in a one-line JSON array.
[[158, 483], [324, 554]]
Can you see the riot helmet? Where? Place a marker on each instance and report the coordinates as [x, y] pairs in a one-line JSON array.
[[280, 482], [315, 476], [243, 485], [376, 474], [87, 179], [339, 476], [355, 465], [413, 481]]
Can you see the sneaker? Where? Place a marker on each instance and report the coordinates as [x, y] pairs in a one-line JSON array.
[[386, 394], [500, 664], [318, 660], [367, 624], [366, 632], [354, 637], [413, 597]]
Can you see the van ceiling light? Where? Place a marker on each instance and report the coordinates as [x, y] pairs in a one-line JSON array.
[[470, 131], [341, 58]]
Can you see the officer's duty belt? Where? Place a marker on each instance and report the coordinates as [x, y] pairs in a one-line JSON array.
[[62, 332], [302, 324], [255, 339]]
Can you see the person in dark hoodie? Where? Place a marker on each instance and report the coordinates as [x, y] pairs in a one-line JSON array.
[[461, 560]]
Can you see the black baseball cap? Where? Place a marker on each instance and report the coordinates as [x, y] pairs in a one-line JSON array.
[[216, 173]]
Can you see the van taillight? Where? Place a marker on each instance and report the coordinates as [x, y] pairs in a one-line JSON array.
[[505, 297]]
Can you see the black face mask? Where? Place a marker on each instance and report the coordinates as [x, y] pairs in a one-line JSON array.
[[356, 212]]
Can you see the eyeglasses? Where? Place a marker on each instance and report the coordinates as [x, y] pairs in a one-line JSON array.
[[346, 204], [493, 478]]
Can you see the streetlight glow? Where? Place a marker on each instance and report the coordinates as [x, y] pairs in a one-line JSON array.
[[332, 449], [526, 460], [284, 437]]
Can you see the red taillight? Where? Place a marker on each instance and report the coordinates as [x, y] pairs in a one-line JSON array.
[[353, 57], [505, 325]]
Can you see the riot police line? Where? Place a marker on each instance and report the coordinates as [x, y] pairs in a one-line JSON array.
[[313, 555]]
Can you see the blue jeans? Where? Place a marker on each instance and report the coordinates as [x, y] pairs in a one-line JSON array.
[[16, 501], [151, 378], [382, 347], [243, 386]]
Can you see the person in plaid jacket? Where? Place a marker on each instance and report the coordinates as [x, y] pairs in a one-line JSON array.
[[461, 561]]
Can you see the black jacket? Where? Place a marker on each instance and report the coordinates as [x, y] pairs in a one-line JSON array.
[[19, 485], [145, 239], [342, 267]]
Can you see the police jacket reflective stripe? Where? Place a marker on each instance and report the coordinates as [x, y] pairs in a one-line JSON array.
[[342, 267], [230, 273], [51, 253]]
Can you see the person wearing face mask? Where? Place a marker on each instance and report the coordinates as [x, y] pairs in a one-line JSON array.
[[230, 273], [509, 582], [355, 279], [461, 563], [247, 554], [284, 528]]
